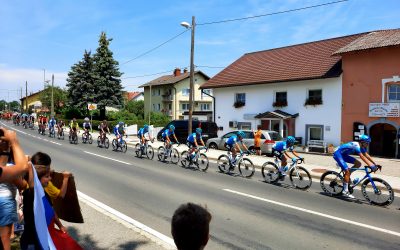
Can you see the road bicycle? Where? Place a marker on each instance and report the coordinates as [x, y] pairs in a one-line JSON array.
[[168, 155], [103, 141], [25, 124], [119, 144], [375, 190], [42, 129], [87, 137], [60, 134], [31, 125], [299, 176], [226, 164], [144, 149], [73, 137], [197, 158], [52, 132]]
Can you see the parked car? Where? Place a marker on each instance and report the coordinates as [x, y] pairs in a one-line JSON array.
[[268, 139], [210, 129]]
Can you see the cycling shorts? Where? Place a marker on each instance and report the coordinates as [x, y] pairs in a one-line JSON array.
[[228, 147], [190, 144], [342, 160]]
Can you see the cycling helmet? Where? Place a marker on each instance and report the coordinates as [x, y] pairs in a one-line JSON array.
[[364, 138], [172, 127], [290, 139], [199, 130], [86, 119], [121, 123], [240, 133], [146, 126]]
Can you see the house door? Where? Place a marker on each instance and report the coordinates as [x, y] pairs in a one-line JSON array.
[[383, 140]]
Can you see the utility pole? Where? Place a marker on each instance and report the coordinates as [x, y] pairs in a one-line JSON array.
[[52, 95], [26, 96], [191, 94]]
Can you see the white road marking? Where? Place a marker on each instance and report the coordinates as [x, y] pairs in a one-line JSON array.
[[127, 163], [34, 136], [136, 224], [315, 213]]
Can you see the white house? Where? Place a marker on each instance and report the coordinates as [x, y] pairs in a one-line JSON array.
[[295, 90]]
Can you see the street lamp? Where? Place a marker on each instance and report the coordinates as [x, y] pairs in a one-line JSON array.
[[192, 27]]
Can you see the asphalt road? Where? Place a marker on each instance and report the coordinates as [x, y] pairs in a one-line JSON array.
[[247, 213]]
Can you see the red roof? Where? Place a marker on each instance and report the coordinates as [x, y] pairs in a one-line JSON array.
[[312, 60], [132, 95]]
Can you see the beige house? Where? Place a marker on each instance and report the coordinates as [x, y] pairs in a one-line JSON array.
[[169, 94]]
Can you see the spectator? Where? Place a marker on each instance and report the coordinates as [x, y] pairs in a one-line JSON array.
[[8, 140], [190, 227], [257, 140]]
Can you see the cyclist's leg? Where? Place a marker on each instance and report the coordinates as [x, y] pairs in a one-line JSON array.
[[342, 162]]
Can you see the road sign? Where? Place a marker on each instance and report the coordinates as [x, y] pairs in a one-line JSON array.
[[92, 106]]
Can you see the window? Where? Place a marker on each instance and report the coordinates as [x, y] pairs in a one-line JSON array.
[[159, 92], [204, 92], [154, 107], [314, 97], [394, 93], [204, 106], [280, 99], [244, 126], [153, 92], [185, 92], [185, 106], [158, 107], [315, 133], [228, 135], [240, 100]]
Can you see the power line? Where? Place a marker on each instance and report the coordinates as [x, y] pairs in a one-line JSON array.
[[211, 67], [147, 52], [270, 14], [130, 77]]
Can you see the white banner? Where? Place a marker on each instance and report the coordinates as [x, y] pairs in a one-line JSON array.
[[390, 109]]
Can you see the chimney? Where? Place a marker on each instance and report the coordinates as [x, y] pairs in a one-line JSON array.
[[177, 72], [185, 70]]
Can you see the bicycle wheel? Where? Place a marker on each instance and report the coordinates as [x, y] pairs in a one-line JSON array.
[[300, 178], [114, 144], [185, 159], [90, 140], [223, 163], [124, 147], [174, 156], [381, 195], [332, 183], [270, 172], [202, 162], [138, 150], [150, 152], [246, 168], [161, 153], [62, 135], [98, 141], [106, 143]]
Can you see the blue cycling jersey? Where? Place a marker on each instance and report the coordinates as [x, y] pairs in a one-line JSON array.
[[118, 129], [143, 131], [52, 122], [232, 140], [350, 148], [192, 136], [281, 146], [166, 133]]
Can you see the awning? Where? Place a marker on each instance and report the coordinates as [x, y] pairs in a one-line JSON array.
[[276, 114]]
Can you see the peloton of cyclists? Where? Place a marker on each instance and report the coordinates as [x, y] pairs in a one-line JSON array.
[[142, 135], [193, 141], [232, 145], [166, 137], [281, 149], [342, 157], [119, 131]]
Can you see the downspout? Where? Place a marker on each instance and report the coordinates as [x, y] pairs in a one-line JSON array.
[[213, 103], [175, 101]]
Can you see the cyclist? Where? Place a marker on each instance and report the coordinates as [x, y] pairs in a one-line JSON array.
[[166, 136], [73, 128], [119, 131], [60, 127], [342, 157], [281, 149], [103, 128], [86, 126], [31, 121], [192, 141], [142, 133], [52, 123], [232, 144]]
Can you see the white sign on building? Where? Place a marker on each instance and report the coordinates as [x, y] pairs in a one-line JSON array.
[[390, 109]]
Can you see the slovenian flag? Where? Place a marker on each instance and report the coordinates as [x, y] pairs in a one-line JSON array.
[[43, 213]]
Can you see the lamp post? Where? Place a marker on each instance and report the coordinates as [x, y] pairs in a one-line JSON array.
[[192, 27]]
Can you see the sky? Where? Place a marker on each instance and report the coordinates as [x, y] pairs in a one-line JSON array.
[[42, 38]]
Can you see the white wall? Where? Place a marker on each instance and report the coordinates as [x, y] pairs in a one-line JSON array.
[[259, 99]]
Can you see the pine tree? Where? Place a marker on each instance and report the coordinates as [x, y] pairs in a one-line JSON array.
[[108, 88], [80, 83]]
